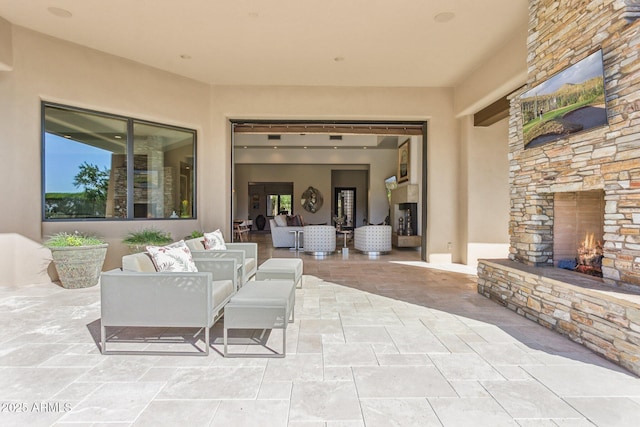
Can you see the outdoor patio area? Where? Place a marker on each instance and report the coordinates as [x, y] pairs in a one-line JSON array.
[[387, 341]]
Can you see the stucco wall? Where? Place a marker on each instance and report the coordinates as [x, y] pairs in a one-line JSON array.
[[49, 69], [486, 205], [6, 46], [333, 103]]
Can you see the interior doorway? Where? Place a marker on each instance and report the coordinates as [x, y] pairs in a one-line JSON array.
[[304, 151], [344, 201]]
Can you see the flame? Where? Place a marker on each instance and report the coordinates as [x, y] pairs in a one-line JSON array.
[[590, 251], [589, 242]]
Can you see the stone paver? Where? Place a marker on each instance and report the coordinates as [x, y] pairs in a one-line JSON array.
[[399, 343]]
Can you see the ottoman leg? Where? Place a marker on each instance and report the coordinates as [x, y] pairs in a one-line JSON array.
[[206, 339], [225, 343]]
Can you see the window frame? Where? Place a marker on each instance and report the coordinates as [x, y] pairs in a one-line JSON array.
[[130, 121], [279, 205]]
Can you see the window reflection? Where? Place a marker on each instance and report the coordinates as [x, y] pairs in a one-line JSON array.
[[79, 164], [88, 173]]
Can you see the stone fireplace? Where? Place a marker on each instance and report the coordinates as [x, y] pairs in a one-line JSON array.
[[605, 160], [581, 190]]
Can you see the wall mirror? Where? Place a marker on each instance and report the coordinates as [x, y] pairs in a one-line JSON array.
[[311, 200]]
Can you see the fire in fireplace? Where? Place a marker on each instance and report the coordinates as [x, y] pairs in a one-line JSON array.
[[578, 226], [589, 259]]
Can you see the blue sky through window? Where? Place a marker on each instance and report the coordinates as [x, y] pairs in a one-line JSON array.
[[63, 158]]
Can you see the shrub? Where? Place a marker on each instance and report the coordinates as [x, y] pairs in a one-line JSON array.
[[148, 236], [195, 234], [64, 239]]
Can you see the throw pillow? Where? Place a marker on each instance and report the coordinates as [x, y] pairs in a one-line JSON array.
[[214, 240], [292, 221], [281, 220], [175, 257]]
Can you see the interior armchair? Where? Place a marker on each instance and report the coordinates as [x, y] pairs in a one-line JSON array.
[[319, 239], [372, 239], [241, 230]]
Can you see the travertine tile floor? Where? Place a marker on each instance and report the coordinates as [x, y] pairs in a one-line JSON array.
[[385, 342]]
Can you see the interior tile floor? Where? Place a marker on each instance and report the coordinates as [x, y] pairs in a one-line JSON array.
[[387, 341]]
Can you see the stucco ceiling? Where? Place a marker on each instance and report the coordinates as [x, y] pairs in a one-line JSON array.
[[287, 42]]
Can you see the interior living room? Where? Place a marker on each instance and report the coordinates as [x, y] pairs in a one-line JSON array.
[[364, 161], [500, 136]]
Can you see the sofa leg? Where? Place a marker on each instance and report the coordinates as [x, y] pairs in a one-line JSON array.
[[206, 340], [225, 342], [103, 338]]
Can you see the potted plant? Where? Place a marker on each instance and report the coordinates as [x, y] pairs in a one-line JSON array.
[[139, 240], [78, 258]]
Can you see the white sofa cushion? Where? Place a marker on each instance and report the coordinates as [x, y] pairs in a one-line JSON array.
[[281, 220], [175, 257], [214, 240]]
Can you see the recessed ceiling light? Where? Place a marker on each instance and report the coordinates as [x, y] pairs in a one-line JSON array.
[[335, 148], [117, 136], [444, 17], [185, 56], [59, 12], [364, 148], [275, 147], [67, 136], [339, 58], [305, 147], [244, 146]]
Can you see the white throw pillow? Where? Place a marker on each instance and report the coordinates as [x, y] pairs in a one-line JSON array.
[[175, 257], [214, 240], [281, 220]]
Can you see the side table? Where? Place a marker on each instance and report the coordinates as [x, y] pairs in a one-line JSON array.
[[296, 240]]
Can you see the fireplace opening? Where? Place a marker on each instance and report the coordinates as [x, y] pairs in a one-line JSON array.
[[578, 230]]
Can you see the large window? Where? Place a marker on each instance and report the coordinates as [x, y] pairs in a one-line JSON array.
[[102, 166]]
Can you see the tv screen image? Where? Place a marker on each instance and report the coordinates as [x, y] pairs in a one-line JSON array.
[[571, 101]]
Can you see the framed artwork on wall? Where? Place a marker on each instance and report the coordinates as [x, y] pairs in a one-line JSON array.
[[403, 162]]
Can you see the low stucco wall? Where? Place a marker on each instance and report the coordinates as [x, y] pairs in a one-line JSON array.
[[604, 319], [23, 261]]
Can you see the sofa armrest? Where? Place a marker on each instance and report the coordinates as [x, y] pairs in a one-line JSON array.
[[220, 268], [237, 255], [250, 249], [156, 299]]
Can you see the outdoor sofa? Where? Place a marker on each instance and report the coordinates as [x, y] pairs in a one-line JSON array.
[[139, 296]]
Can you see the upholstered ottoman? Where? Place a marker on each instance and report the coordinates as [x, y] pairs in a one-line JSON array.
[[261, 305], [281, 268]]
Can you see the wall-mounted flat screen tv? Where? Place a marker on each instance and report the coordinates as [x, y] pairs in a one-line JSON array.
[[571, 101]]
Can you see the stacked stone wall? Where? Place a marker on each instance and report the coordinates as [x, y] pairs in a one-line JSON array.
[[561, 33], [607, 324]]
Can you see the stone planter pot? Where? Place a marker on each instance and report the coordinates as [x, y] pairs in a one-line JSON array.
[[79, 266], [136, 248]]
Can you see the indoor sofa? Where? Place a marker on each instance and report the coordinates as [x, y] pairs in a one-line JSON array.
[[283, 236]]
